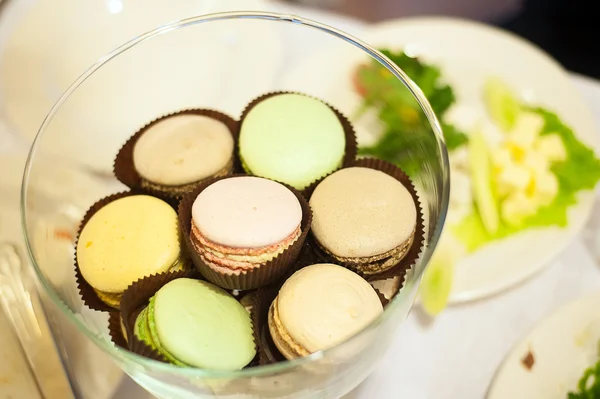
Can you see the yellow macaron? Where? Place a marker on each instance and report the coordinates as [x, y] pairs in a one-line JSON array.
[[128, 239]]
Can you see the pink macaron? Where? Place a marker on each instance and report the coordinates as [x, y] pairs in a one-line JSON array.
[[241, 223]]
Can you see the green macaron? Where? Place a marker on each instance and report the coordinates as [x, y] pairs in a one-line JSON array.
[[197, 324], [291, 138]]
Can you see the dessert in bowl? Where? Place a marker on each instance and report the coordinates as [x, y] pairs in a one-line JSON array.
[[243, 235]]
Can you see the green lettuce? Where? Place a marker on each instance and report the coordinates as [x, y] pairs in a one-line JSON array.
[[405, 124], [589, 384]]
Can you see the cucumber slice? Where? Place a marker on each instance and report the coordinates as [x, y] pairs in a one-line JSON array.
[[481, 181], [501, 103], [437, 281]]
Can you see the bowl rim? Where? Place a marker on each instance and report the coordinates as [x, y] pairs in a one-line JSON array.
[[265, 370]]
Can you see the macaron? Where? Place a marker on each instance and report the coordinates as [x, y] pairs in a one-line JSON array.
[[320, 306], [363, 218], [291, 138], [240, 223], [176, 152], [127, 239], [194, 323]]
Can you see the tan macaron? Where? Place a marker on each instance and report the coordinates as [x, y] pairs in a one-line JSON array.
[[363, 217], [319, 307], [178, 151]]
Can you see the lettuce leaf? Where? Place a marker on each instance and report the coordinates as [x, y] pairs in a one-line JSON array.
[[580, 171], [406, 126], [588, 386]]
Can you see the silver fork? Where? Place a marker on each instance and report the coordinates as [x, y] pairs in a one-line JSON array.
[[22, 306]]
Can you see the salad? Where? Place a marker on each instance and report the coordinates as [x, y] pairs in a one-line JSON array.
[[589, 384], [521, 171]]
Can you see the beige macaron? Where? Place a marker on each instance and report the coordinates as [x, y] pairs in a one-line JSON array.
[[363, 217], [319, 307], [179, 150]]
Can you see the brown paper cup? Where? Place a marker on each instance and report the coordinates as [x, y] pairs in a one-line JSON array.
[[136, 298], [409, 260], [124, 168], [261, 300], [351, 144], [387, 289], [245, 280], [116, 331]]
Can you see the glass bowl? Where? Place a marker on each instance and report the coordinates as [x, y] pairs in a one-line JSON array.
[[212, 61]]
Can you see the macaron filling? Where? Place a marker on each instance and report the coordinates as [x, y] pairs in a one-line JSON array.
[[145, 330], [111, 299], [282, 338], [229, 259], [114, 299], [372, 264], [183, 188]]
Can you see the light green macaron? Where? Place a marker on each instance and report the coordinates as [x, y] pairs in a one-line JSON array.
[[291, 138], [195, 323]]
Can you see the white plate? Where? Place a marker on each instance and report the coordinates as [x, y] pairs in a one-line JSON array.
[[469, 53], [563, 345], [46, 45]]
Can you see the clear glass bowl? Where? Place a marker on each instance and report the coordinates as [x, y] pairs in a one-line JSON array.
[[217, 61]]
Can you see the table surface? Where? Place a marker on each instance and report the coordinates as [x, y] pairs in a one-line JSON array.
[[457, 354]]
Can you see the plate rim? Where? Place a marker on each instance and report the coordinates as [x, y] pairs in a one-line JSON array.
[[592, 296], [463, 22]]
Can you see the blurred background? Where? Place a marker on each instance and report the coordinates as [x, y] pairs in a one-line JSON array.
[[564, 28]]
